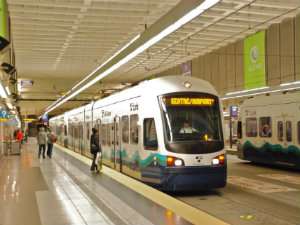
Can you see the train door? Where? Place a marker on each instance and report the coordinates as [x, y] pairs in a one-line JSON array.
[[117, 144]]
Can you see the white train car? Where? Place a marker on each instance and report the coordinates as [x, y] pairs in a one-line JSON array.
[[269, 129], [166, 132]]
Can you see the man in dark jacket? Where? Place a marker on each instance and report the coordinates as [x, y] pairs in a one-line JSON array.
[[95, 148]]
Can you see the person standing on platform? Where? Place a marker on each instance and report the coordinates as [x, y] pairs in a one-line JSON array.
[[19, 136], [42, 141], [95, 148], [51, 140]]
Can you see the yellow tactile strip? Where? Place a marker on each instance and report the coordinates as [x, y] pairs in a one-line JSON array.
[[189, 213]]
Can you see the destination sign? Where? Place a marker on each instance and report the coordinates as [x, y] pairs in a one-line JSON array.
[[190, 101]]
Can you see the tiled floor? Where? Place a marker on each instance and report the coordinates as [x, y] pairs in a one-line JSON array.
[[62, 191], [39, 192]]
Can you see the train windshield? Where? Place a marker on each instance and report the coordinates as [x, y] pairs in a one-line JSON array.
[[193, 118]]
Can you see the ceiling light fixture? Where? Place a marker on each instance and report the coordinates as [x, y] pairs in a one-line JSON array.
[[290, 83], [247, 91], [3, 93], [280, 88], [7, 90], [165, 32], [9, 105]]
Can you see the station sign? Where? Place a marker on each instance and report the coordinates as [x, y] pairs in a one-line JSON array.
[[4, 114], [234, 111], [26, 83], [186, 68]]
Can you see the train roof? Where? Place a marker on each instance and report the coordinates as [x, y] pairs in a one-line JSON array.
[[160, 86], [272, 99], [157, 86]]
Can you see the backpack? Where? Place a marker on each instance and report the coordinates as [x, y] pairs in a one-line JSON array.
[[53, 138]]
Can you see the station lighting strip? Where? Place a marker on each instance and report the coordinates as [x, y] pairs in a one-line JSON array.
[[263, 90], [5, 93], [168, 30]]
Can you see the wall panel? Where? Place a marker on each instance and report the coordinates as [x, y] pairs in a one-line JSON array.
[[222, 71], [273, 55], [215, 76], [297, 47], [207, 69], [230, 69], [287, 46], [196, 67], [239, 65]]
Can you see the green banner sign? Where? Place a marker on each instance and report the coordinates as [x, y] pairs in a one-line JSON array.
[[4, 35], [254, 61]]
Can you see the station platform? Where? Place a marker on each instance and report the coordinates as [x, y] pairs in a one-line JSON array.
[[62, 191]]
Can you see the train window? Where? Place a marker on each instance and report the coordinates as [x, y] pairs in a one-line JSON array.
[[134, 129], [125, 129], [280, 130], [298, 125], [265, 127], [251, 127], [76, 131], [98, 127], [70, 130], [103, 134], [288, 131], [239, 130], [65, 130], [150, 137], [88, 130], [108, 130]]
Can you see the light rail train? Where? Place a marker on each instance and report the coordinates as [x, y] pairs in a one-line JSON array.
[[166, 132], [269, 129]]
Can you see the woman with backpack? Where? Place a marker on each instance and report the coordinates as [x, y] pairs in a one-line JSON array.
[[51, 140], [95, 148]]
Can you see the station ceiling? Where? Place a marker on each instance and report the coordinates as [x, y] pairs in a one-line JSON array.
[[57, 43]]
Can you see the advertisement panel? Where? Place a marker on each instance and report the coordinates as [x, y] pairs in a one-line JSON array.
[[4, 35], [255, 61]]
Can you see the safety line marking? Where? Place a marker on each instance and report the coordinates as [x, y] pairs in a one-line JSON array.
[[282, 177], [189, 213], [257, 185]]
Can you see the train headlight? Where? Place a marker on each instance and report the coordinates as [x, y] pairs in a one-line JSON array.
[[178, 162], [173, 161], [218, 160], [187, 84], [215, 162]]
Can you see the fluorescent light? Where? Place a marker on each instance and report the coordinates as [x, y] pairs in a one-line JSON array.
[[9, 105], [246, 91], [7, 90], [290, 83], [278, 89], [168, 30], [3, 93], [103, 64]]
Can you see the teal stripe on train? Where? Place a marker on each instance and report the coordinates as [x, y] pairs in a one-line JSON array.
[[161, 160], [272, 148]]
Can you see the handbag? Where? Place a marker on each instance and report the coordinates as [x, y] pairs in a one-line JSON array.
[[94, 148], [99, 160]]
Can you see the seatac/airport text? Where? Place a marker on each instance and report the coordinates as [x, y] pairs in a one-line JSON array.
[[191, 101]]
